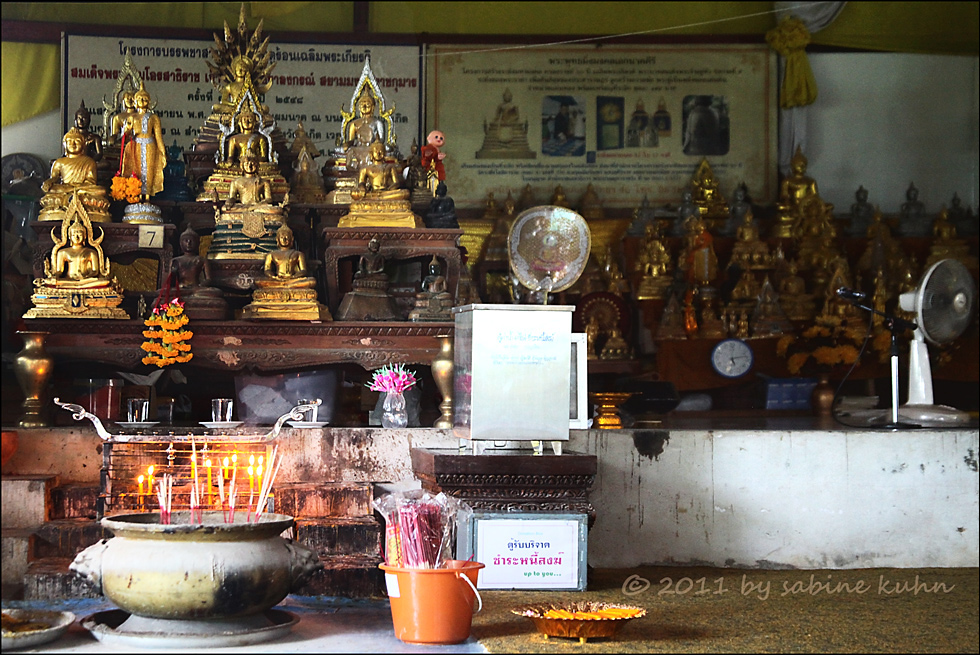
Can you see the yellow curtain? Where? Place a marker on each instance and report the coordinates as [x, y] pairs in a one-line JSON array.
[[31, 80]]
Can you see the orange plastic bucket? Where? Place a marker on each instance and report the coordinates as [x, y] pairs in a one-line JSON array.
[[433, 606]]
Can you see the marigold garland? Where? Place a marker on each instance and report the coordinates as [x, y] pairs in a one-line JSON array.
[[166, 340], [128, 188], [829, 343]]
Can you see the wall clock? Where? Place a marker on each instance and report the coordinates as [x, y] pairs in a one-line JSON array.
[[732, 358]]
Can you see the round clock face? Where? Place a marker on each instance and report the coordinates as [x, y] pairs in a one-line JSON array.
[[731, 358]]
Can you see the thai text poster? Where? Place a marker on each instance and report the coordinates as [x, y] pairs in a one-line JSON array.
[[311, 83], [631, 120]]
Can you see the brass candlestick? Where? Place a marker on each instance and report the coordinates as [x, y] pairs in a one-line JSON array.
[[442, 372], [33, 368], [607, 408]]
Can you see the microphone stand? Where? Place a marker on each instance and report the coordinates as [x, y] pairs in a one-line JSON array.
[[894, 325]]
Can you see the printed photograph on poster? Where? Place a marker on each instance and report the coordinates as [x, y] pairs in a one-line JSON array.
[[633, 121], [310, 84]]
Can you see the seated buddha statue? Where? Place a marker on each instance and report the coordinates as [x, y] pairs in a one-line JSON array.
[[815, 233], [946, 244], [245, 227], [442, 210], [93, 142], [796, 303], [615, 346], [654, 264], [76, 282], [591, 205], [241, 76], [912, 219], [558, 198], [285, 291], [861, 212], [505, 136], [249, 134], [962, 217], [643, 215], [302, 140], [433, 302], [73, 173], [745, 293], [749, 251], [671, 326], [201, 300], [380, 198], [793, 190], [707, 196], [687, 212], [368, 299], [306, 186], [711, 325], [768, 318]]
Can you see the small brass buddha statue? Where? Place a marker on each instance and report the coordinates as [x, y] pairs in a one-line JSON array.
[[707, 196], [710, 325], [306, 187], [368, 299], [433, 302], [749, 251], [201, 300], [303, 141], [671, 325], [736, 212], [93, 142], [558, 198], [797, 304], [74, 173], [250, 134], [591, 205], [245, 227], [654, 264], [768, 318], [815, 234], [946, 244], [76, 282], [793, 190], [643, 215], [505, 136], [380, 199], [615, 346], [285, 291]]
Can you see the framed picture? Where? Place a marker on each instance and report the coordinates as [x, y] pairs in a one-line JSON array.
[[578, 383]]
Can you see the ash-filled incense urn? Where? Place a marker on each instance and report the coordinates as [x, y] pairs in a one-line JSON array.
[[196, 571]]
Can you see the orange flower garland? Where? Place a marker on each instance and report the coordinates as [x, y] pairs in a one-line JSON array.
[[831, 342], [167, 342], [128, 188]]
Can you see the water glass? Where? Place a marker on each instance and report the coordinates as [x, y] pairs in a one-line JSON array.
[[137, 410], [309, 416], [221, 409]]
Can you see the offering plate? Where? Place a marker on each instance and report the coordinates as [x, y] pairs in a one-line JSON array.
[[575, 628]]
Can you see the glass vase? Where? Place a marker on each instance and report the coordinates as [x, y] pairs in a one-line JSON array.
[[394, 411]]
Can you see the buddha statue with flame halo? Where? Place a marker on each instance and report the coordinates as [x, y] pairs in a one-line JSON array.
[[76, 282]]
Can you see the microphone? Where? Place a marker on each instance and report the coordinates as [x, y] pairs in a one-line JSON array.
[[851, 294]]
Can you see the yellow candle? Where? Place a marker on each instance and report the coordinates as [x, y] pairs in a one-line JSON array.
[[140, 479], [149, 479], [251, 479], [207, 463]]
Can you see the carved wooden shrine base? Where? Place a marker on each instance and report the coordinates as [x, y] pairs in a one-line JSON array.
[[501, 481]]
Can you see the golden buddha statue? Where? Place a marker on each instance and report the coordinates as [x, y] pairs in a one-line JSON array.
[[698, 259], [76, 282], [711, 325], [796, 303], [671, 325], [119, 119], [380, 198], [558, 198], [368, 299], [705, 194], [307, 186], [815, 233], [302, 140], [746, 290], [145, 153], [285, 291], [248, 135], [793, 190], [245, 227], [654, 265], [592, 333], [241, 75], [749, 251], [505, 137], [526, 199], [946, 244], [433, 302], [615, 346], [768, 318], [201, 300], [591, 206], [73, 173]]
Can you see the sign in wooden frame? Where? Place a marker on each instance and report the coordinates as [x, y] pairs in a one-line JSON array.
[[632, 120]]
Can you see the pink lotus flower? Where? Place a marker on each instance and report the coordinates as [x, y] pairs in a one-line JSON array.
[[392, 378]]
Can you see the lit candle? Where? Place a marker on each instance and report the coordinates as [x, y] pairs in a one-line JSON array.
[[149, 479], [207, 464], [139, 497], [251, 479]]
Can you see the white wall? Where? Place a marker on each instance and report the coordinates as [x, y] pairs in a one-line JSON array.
[[886, 120], [39, 136]]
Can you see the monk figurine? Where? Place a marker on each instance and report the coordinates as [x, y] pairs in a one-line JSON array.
[[433, 302], [245, 226], [432, 156], [794, 189], [201, 300], [368, 299], [698, 259], [285, 291], [145, 153], [74, 172], [380, 198], [76, 282]]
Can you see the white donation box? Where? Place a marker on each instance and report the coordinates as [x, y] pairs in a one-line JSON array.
[[511, 372]]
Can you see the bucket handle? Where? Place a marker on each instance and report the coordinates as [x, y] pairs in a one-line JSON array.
[[465, 578]]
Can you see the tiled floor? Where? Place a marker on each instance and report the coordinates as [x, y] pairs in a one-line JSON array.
[[325, 626]]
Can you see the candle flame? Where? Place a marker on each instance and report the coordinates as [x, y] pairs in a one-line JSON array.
[[140, 479], [207, 462], [226, 461], [251, 470], [150, 469], [251, 460]]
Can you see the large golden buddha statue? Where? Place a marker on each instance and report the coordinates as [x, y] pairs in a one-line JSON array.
[[369, 120], [793, 191], [505, 137], [380, 198], [76, 282], [144, 156], [246, 225], [73, 173], [654, 265], [708, 198], [285, 291]]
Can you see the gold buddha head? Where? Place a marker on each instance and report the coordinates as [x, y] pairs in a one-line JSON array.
[[141, 99], [377, 151], [247, 121], [798, 162], [76, 233], [365, 103], [240, 67], [127, 100], [284, 236], [74, 141], [249, 164]]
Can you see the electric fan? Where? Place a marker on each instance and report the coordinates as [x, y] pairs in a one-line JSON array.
[[944, 306]]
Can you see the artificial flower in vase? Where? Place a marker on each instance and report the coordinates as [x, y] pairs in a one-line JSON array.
[[393, 380]]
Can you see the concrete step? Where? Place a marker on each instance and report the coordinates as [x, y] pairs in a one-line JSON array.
[[74, 501], [66, 537], [26, 500], [310, 500], [347, 576], [340, 536], [50, 578]]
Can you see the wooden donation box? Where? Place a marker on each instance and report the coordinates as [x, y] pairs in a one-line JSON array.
[[512, 372]]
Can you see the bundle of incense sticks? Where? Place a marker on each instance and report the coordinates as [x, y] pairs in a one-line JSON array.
[[274, 463], [165, 493], [420, 527], [197, 513]]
